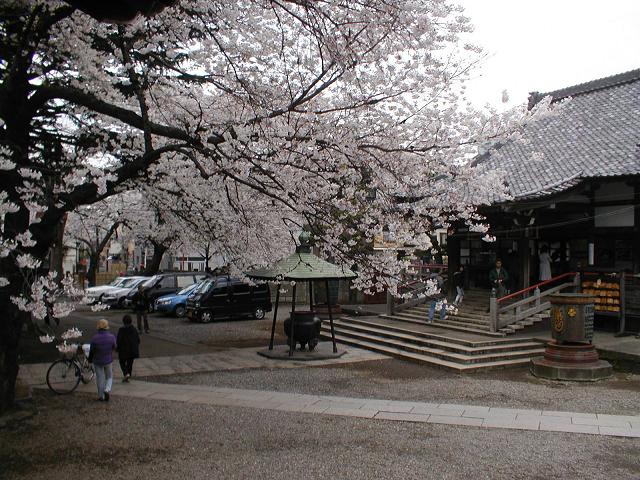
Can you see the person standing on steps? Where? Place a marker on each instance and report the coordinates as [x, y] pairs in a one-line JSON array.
[[440, 303], [458, 282], [499, 279], [545, 264], [128, 347], [141, 306], [101, 350]]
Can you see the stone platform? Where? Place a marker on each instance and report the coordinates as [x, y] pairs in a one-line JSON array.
[[575, 362], [323, 351]]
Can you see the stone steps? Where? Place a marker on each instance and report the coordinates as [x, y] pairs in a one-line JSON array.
[[445, 342], [438, 350], [471, 317], [414, 314], [424, 312], [457, 326]]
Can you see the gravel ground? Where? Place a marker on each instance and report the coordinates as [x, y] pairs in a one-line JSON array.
[[224, 334], [242, 332], [245, 332], [74, 437], [398, 380]]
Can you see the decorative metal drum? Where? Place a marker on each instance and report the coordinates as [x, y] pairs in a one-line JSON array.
[[572, 317]]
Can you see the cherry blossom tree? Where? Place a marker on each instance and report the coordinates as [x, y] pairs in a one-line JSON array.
[[252, 118], [95, 225], [150, 224]]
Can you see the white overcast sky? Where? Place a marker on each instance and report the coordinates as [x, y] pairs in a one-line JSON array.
[[545, 45]]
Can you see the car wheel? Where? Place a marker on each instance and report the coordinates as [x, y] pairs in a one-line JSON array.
[[206, 316], [120, 303], [258, 313], [179, 311]]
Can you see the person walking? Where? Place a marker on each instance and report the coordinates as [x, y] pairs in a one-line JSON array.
[[499, 279], [101, 350], [128, 342], [141, 306], [437, 304], [545, 264], [458, 282]]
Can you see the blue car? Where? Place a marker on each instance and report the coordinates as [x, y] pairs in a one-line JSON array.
[[175, 303]]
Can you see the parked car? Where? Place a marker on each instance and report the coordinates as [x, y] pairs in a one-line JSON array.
[[176, 303], [166, 283], [95, 293], [116, 298], [228, 297]]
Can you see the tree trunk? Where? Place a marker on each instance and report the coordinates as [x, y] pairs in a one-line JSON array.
[[58, 251], [207, 256], [94, 260], [154, 265], [10, 331], [13, 319]]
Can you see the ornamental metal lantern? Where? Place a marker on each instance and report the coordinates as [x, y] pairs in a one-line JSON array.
[[302, 266]]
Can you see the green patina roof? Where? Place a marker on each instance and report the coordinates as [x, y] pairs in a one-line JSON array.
[[302, 265]]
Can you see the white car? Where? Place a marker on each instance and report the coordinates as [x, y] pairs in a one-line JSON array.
[[95, 293], [116, 297]]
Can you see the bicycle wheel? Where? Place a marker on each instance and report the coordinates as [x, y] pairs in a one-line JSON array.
[[63, 376]]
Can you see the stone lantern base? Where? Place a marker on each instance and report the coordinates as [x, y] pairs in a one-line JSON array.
[[571, 361], [323, 351]]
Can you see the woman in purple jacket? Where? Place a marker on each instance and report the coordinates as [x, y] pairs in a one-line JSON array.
[[103, 344]]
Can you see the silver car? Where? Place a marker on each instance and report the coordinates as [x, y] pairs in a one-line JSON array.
[[115, 298], [95, 293]]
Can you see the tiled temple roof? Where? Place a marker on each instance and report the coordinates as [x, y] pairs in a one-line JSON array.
[[597, 134]]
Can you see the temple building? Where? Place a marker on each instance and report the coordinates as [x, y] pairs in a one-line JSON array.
[[575, 188]]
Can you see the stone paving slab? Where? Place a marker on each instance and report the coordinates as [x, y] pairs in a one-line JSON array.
[[452, 420], [587, 429], [402, 417], [387, 410], [225, 360]]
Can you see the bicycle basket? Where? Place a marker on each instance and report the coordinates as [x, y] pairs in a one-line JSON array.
[[68, 351]]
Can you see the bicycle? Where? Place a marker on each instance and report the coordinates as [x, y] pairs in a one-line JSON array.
[[64, 375]]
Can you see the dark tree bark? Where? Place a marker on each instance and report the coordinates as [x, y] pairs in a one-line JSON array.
[[94, 260], [154, 265], [58, 251], [13, 319], [207, 256], [96, 249], [120, 11], [23, 109]]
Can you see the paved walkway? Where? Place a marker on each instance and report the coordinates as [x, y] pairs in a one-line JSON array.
[[376, 409], [448, 414], [231, 359]]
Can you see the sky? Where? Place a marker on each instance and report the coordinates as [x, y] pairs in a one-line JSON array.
[[545, 45]]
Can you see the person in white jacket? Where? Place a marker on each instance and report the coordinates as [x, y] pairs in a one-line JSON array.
[[545, 263]]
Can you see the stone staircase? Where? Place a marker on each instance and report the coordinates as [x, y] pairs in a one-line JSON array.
[[417, 344], [472, 317]]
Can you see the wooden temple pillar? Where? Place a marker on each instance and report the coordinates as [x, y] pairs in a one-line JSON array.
[[524, 260]]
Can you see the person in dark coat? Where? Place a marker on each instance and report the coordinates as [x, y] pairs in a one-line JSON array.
[[128, 347], [499, 279], [141, 305]]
